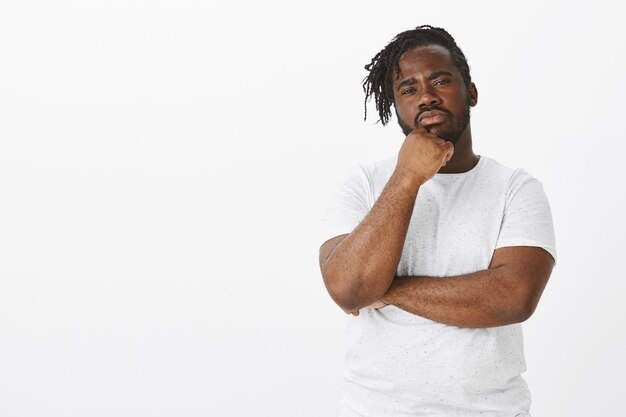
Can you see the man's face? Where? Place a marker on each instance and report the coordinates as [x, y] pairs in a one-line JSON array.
[[430, 91]]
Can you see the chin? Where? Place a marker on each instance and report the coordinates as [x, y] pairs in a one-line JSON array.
[[442, 133], [436, 129]]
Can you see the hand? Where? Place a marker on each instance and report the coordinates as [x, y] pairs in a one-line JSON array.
[[422, 154], [375, 304]]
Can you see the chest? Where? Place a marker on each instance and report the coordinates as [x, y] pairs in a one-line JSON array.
[[451, 233]]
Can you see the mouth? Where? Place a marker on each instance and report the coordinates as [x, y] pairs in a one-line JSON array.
[[432, 117]]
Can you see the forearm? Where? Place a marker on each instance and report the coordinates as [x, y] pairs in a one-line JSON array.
[[488, 298], [362, 266]]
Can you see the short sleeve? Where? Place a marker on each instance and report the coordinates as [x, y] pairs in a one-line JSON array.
[[527, 217], [348, 205]]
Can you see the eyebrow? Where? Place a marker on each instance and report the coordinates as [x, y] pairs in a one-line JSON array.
[[410, 81]]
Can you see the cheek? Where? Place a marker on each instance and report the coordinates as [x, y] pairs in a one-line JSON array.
[[405, 113]]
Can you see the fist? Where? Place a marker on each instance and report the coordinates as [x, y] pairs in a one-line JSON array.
[[422, 155], [377, 304]]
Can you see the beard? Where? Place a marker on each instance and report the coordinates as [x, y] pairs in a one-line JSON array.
[[451, 134]]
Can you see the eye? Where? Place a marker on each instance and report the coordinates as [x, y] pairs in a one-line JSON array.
[[441, 82], [408, 91]]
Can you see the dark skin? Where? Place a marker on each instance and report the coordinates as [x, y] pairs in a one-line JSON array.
[[359, 268], [429, 79]]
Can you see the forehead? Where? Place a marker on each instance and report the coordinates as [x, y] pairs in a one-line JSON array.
[[425, 60]]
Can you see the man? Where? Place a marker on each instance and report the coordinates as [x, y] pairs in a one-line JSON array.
[[439, 253]]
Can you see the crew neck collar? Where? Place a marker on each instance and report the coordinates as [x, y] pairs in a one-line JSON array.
[[461, 174]]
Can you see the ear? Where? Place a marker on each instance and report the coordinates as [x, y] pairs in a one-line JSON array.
[[473, 94]]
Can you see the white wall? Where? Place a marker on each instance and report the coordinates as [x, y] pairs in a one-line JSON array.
[[163, 165]]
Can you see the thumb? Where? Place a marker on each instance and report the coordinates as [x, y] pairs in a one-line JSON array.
[[419, 129], [450, 151]]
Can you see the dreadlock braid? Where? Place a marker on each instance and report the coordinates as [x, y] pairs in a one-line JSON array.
[[384, 65]]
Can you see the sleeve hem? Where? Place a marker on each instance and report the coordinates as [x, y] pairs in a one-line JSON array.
[[528, 242]]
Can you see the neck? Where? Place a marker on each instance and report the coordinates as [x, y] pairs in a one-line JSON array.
[[464, 158]]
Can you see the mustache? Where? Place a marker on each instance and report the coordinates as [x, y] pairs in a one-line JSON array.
[[425, 109]]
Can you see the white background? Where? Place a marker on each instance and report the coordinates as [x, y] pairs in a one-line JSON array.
[[164, 164]]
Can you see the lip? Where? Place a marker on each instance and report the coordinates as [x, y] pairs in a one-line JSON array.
[[432, 117]]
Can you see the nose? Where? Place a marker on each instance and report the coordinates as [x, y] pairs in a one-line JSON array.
[[428, 98]]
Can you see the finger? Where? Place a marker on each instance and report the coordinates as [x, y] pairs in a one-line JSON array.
[[419, 129], [449, 151]]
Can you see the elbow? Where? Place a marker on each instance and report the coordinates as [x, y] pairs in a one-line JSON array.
[[522, 309], [355, 284], [519, 299], [529, 300], [346, 300], [518, 315], [510, 315], [347, 303], [341, 291], [526, 310], [512, 310], [347, 289]]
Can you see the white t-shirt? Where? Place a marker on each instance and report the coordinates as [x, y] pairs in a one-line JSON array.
[[399, 364]]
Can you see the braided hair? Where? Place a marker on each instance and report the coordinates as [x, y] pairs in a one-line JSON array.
[[384, 65]]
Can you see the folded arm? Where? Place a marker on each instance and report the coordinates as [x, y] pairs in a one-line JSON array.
[[505, 293], [359, 267]]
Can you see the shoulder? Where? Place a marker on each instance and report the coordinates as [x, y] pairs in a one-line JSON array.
[[513, 179], [524, 186], [527, 215], [379, 169], [359, 182], [373, 176], [495, 170]]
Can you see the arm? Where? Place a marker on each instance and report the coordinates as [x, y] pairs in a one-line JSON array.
[[505, 293], [359, 267]]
